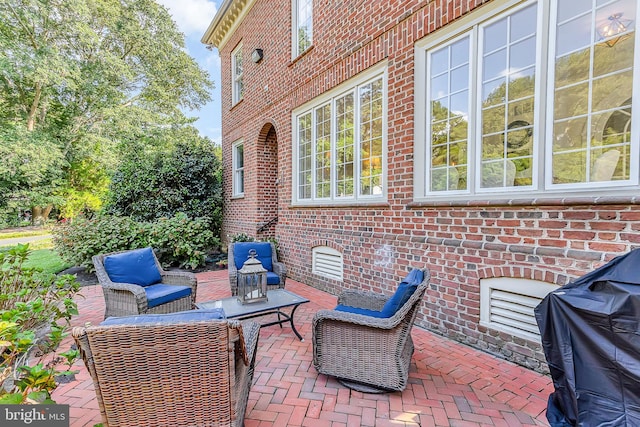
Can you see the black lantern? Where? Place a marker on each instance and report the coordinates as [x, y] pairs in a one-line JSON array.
[[252, 280]]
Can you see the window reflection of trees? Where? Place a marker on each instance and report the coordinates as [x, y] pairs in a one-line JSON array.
[[592, 113]]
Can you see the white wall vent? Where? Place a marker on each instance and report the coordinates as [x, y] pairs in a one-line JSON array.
[[327, 262], [507, 303]]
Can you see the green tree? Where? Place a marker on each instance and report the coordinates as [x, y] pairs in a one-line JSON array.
[[90, 76], [186, 177]]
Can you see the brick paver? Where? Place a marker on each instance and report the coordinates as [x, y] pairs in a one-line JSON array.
[[450, 384]]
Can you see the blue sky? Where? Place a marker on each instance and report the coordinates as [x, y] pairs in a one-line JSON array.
[[193, 18]]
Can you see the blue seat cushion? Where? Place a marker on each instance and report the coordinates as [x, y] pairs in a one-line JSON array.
[[161, 293], [137, 267], [272, 278], [363, 311], [181, 316], [406, 288], [263, 253]]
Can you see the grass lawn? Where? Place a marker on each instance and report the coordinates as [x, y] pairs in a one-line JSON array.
[[43, 256], [46, 259], [24, 233]]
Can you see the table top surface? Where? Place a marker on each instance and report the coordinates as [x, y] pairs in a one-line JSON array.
[[276, 298]]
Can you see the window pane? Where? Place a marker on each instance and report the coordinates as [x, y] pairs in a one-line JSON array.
[[440, 61], [304, 25], [304, 156], [371, 104], [344, 145], [459, 53], [573, 68], [573, 35], [520, 54], [323, 152], [494, 65], [239, 156], [570, 8], [449, 118], [608, 60], [570, 168], [495, 36], [592, 104], [523, 24], [608, 92], [507, 127]]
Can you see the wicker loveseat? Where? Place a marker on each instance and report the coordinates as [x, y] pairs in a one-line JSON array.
[[266, 254], [142, 286], [170, 370], [367, 353]]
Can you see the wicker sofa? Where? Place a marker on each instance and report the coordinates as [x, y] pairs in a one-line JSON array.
[[369, 354], [166, 372], [266, 254], [125, 298]]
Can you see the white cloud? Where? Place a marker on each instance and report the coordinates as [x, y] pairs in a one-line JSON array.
[[192, 16]]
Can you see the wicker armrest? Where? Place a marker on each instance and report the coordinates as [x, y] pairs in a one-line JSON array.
[[279, 268], [136, 290], [355, 319], [176, 277], [362, 299], [250, 332]]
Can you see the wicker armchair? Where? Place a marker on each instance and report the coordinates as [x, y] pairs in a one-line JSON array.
[[122, 299], [237, 255], [366, 353], [195, 373]]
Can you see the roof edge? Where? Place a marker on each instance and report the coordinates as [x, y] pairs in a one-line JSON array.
[[225, 21]]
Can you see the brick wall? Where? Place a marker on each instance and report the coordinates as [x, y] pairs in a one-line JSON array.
[[548, 240]]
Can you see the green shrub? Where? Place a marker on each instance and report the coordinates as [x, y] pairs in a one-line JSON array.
[[187, 178], [35, 310], [182, 241], [242, 237], [78, 240], [178, 241]]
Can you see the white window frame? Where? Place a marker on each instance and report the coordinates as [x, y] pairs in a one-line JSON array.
[[296, 6], [541, 180], [372, 75], [237, 84], [238, 178]]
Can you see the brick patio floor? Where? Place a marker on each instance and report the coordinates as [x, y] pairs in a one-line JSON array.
[[450, 384]]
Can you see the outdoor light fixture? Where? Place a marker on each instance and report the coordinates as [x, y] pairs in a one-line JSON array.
[[252, 280], [256, 55], [615, 26]]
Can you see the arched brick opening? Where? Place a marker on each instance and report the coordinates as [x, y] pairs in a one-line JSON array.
[[267, 179]]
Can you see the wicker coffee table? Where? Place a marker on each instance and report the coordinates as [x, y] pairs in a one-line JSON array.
[[277, 300]]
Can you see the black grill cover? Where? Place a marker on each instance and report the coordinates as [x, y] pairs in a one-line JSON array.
[[591, 339]]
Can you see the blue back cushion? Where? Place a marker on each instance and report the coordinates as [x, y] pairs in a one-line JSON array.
[[137, 267], [263, 253], [406, 288], [182, 316]]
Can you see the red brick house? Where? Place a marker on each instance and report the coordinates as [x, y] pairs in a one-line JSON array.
[[494, 142]]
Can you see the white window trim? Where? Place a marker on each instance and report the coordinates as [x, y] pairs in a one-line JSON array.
[[379, 71], [294, 30], [236, 171], [235, 96], [461, 27]]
